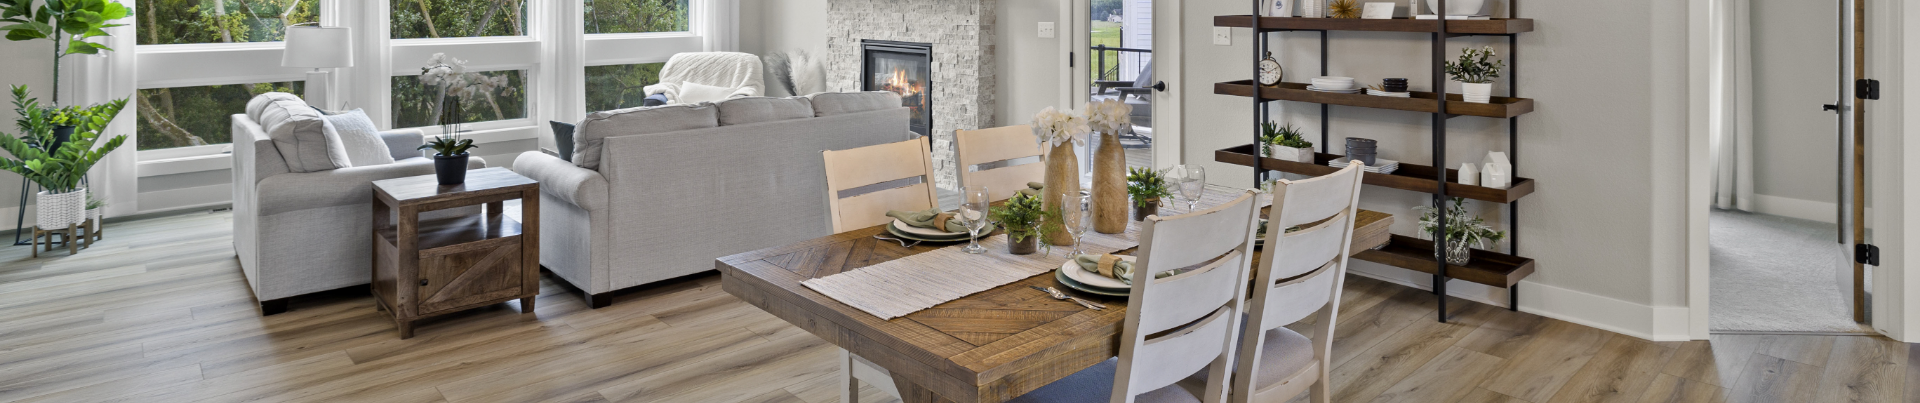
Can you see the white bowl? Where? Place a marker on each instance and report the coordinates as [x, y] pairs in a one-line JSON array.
[[1460, 7], [1333, 79], [1333, 87]]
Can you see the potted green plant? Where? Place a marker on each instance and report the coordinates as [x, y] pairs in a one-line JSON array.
[[64, 22], [60, 170], [450, 157], [1464, 230], [1025, 218], [1146, 187], [1475, 73], [1285, 143]]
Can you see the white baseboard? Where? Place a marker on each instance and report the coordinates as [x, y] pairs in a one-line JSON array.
[[1604, 313], [1795, 208]]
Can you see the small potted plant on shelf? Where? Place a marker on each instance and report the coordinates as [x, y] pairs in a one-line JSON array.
[[1464, 230], [1475, 73], [1025, 219], [1147, 188], [1285, 143]]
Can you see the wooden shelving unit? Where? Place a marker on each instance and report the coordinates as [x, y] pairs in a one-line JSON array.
[[1485, 267]]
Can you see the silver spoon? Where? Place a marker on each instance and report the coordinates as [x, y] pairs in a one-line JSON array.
[[903, 243], [1063, 296]]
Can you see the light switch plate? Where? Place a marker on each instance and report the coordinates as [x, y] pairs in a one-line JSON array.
[[1046, 30], [1223, 36]]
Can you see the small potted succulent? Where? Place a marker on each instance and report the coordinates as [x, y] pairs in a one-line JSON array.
[[1285, 143], [1464, 230], [1147, 188], [450, 157], [1475, 73], [1025, 219]]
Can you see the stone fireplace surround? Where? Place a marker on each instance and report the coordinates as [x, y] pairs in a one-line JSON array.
[[961, 32]]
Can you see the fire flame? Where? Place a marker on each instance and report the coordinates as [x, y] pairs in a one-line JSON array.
[[899, 84]]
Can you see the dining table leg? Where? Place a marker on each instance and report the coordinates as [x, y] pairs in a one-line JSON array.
[[912, 392]]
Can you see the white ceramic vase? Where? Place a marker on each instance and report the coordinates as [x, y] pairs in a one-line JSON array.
[[59, 210], [1478, 93], [1285, 153], [1460, 7]]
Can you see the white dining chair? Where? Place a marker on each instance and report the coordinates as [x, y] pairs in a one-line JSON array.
[[864, 183], [1300, 275], [1179, 325], [1004, 159]]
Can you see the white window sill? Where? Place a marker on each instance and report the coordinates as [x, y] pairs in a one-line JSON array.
[[182, 165]]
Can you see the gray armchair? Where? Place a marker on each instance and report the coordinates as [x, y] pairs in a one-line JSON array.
[[304, 232]]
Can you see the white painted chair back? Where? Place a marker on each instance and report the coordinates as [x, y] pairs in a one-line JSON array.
[[884, 164], [1193, 316], [1300, 275], [978, 152]]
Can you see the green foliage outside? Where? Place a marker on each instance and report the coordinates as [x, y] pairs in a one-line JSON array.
[[619, 86], [632, 16], [1105, 33], [166, 22], [413, 101], [1104, 8], [197, 116], [414, 19]]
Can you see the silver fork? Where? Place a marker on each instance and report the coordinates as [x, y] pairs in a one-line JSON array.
[[1063, 296], [903, 243]]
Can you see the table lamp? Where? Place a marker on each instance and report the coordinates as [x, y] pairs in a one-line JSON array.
[[319, 48]]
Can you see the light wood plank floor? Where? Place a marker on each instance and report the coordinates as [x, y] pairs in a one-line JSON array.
[[159, 312]]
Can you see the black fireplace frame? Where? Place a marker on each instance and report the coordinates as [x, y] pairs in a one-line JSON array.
[[914, 48]]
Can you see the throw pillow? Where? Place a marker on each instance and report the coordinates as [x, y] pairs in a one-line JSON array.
[[299, 133], [562, 140], [359, 137], [693, 93]]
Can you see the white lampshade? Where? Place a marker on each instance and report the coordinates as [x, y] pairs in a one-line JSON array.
[[318, 47]]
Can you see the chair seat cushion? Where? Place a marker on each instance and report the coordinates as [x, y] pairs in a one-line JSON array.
[[1284, 353], [1095, 385]]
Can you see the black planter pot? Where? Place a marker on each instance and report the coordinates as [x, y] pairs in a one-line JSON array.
[[60, 136], [452, 170]]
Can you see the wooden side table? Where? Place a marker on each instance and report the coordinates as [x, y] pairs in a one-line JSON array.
[[434, 267]]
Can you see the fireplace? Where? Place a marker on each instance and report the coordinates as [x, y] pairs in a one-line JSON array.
[[904, 68]]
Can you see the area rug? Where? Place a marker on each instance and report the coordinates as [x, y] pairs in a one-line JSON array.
[[1777, 274]]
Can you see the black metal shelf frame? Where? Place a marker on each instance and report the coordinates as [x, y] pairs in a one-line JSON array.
[[1262, 113]]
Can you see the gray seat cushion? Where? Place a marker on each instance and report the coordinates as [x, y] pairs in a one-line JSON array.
[[1095, 385], [359, 137], [299, 132], [588, 138], [841, 103], [740, 111]]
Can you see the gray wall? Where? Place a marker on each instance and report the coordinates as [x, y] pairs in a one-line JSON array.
[[1794, 72], [25, 63], [783, 25]]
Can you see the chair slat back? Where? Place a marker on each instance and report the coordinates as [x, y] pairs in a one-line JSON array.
[[985, 146], [1300, 276], [1193, 314], [872, 165]]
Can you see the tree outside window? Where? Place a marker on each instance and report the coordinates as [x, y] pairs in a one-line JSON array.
[[196, 116], [619, 86], [170, 22], [636, 16], [413, 101], [416, 19]]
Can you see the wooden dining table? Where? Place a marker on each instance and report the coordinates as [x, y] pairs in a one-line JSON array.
[[991, 346]]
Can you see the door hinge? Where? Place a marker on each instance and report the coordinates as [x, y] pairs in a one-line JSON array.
[[1866, 254], [1866, 89]]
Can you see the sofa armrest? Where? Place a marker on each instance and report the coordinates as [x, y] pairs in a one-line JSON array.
[[345, 186], [404, 143], [582, 187]]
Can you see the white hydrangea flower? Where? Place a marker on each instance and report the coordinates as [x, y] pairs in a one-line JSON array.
[[1054, 127], [1110, 116]]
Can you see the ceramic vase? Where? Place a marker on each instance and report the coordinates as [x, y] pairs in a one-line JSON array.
[[1478, 93], [1109, 186], [1026, 246], [60, 210], [1458, 254], [1284, 153], [1063, 178]]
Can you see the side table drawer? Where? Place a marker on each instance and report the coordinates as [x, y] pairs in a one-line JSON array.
[[458, 277]]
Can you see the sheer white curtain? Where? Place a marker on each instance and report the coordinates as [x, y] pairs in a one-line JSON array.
[[1731, 127]]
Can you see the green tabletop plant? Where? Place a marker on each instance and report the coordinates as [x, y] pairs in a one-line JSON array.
[[1025, 219], [1146, 187], [1285, 143]]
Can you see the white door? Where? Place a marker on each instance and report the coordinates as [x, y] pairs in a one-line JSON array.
[[1113, 45]]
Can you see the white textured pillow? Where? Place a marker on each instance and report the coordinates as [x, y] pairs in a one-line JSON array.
[[359, 137], [693, 93], [300, 133]]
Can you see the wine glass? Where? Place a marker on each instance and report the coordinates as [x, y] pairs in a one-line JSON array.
[[1191, 180], [973, 214], [1075, 218]]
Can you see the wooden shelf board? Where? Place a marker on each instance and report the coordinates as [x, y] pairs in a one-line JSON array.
[[458, 230], [1495, 26], [1496, 107], [1413, 177], [1490, 268]]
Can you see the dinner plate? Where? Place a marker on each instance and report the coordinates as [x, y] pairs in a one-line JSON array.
[[926, 232], [984, 232], [1076, 286], [1092, 279]]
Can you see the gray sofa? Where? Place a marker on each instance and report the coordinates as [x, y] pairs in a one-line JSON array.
[[660, 192], [299, 233]]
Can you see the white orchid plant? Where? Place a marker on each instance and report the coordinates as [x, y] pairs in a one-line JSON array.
[[1054, 127], [1110, 116], [449, 76]]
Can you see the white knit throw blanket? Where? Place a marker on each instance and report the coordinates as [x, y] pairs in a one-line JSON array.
[[738, 71]]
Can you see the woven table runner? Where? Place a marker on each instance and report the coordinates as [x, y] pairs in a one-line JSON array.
[[906, 285]]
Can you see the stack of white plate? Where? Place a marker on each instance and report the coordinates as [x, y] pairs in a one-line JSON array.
[[1333, 84], [1380, 165], [1375, 92]]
